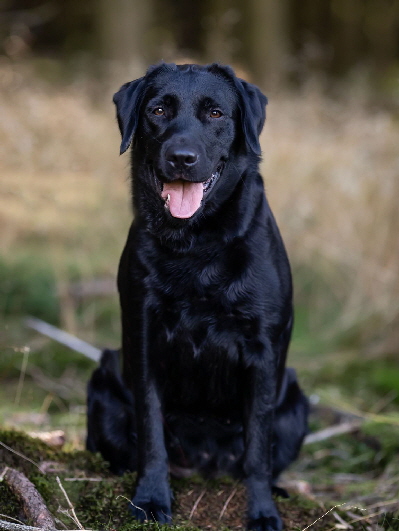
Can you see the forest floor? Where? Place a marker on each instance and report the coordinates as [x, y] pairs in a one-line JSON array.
[[349, 482]]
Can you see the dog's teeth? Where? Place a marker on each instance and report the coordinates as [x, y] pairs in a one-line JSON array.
[[167, 200]]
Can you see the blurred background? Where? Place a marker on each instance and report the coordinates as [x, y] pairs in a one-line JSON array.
[[330, 162]]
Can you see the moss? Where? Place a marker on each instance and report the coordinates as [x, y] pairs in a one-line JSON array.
[[21, 447], [10, 505], [84, 460]]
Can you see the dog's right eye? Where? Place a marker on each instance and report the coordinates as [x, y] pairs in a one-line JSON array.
[[159, 111]]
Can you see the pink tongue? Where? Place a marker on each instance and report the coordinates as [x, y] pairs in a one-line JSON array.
[[184, 198]]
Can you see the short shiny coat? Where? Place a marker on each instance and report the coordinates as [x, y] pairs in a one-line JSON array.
[[206, 297]]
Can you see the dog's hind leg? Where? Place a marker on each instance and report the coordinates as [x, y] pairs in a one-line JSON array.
[[111, 426], [290, 423]]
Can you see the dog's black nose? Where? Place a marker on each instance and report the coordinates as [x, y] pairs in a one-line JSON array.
[[181, 158]]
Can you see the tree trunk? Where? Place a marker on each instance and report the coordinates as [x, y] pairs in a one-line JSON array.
[[123, 28], [267, 41]]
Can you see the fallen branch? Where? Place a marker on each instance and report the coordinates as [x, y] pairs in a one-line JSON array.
[[92, 288], [332, 431], [33, 504], [10, 526], [64, 338]]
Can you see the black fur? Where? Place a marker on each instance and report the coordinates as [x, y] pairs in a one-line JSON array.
[[205, 292]]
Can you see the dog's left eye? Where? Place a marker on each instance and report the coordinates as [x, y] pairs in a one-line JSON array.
[[159, 111], [215, 113]]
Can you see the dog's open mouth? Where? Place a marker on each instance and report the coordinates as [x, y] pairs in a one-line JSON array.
[[184, 198]]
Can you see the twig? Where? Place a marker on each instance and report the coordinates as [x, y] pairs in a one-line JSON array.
[[333, 431], [33, 504], [64, 338], [66, 512], [75, 518], [322, 516], [196, 504], [227, 503], [20, 455], [11, 518], [10, 526], [135, 506]]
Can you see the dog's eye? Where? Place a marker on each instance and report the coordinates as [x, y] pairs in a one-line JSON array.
[[215, 113], [159, 111]]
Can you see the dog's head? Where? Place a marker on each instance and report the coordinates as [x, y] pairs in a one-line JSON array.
[[191, 128]]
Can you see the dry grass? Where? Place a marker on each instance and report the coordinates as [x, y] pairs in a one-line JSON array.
[[63, 187], [331, 171]]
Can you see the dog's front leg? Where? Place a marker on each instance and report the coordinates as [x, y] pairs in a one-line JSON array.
[[259, 415], [152, 500]]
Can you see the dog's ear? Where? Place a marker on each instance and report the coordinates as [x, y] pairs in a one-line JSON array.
[[127, 101], [252, 105], [253, 113]]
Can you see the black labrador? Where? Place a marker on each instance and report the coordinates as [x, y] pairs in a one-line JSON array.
[[206, 298]]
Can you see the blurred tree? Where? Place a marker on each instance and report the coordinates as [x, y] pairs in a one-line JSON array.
[[224, 42], [267, 40], [123, 29], [273, 39]]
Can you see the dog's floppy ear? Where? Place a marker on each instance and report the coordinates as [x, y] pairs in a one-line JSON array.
[[253, 113], [252, 104], [127, 101]]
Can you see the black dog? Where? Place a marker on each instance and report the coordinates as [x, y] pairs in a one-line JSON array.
[[205, 291]]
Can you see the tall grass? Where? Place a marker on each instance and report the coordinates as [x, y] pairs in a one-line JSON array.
[[331, 169]]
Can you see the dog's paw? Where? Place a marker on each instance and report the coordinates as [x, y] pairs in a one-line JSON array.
[[265, 519], [152, 505], [266, 523], [151, 511]]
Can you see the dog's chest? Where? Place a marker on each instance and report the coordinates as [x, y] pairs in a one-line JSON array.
[[203, 317], [204, 305], [196, 345]]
